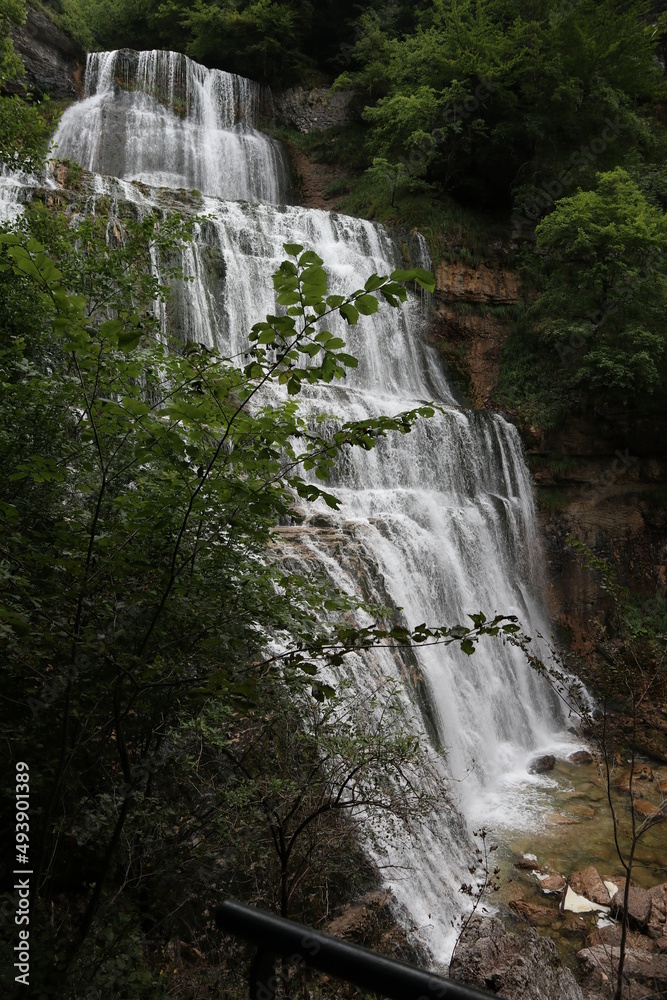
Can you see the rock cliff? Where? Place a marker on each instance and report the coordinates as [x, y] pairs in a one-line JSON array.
[[54, 63], [601, 480]]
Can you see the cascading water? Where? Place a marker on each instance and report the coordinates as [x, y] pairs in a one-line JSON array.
[[439, 522], [158, 118]]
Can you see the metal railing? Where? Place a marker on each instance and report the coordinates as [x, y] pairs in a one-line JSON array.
[[297, 945]]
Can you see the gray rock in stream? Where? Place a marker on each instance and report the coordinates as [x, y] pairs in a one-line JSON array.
[[540, 765], [518, 967]]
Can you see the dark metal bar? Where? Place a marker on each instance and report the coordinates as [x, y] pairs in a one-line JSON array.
[[262, 972], [300, 945]]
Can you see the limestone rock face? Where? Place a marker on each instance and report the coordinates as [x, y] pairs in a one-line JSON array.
[[310, 110], [53, 63], [523, 967], [639, 906], [482, 284], [657, 923], [643, 972]]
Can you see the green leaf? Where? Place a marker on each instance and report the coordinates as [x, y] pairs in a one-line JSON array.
[[366, 304], [314, 276], [347, 359], [128, 340], [374, 282], [309, 257], [293, 249], [350, 313], [111, 329], [288, 298]]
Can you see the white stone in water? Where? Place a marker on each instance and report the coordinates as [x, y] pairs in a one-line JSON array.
[[579, 904], [530, 857]]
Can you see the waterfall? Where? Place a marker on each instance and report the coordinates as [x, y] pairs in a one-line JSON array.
[[440, 523], [163, 120]]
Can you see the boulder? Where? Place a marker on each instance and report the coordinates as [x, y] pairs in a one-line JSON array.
[[573, 926], [641, 772], [517, 967], [643, 972], [533, 913], [540, 765], [611, 936], [529, 865], [657, 922], [588, 883], [552, 883], [639, 906], [581, 757], [647, 810]]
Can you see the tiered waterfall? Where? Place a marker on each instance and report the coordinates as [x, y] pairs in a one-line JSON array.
[[440, 522]]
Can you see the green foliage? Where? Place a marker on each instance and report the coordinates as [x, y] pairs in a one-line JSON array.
[[273, 41], [12, 14], [26, 127], [603, 308], [138, 588], [477, 91], [252, 37]]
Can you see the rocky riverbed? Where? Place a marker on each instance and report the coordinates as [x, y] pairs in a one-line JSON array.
[[561, 897]]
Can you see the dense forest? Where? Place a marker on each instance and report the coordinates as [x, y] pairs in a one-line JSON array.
[[498, 108], [157, 660]]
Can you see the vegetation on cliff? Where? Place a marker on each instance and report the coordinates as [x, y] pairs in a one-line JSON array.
[[137, 597], [475, 118]]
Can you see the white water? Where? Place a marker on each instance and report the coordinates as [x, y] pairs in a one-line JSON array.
[[158, 118], [440, 522]]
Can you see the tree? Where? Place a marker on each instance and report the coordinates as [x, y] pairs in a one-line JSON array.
[[139, 490], [604, 305], [500, 94], [298, 773]]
